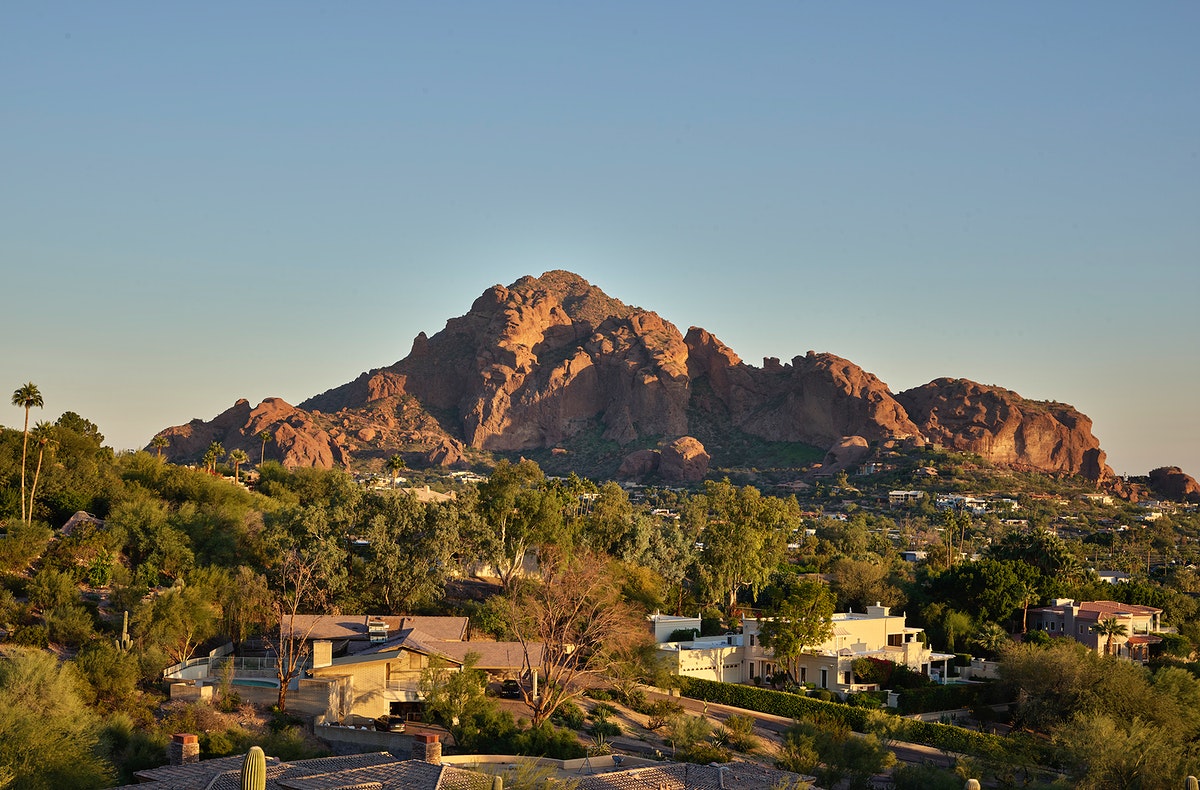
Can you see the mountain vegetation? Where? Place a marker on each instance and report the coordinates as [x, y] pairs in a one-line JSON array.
[[115, 566]]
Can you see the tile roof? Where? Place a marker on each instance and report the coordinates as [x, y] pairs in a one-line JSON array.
[[686, 776], [354, 626], [372, 771]]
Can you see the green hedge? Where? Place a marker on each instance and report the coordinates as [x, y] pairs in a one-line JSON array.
[[931, 698], [779, 703]]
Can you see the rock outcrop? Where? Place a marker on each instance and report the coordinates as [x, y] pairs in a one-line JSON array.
[[554, 362], [1172, 484], [1005, 428], [296, 439]]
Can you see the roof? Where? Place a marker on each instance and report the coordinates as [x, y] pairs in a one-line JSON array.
[[376, 771], [492, 655], [687, 776], [354, 626], [1101, 610]]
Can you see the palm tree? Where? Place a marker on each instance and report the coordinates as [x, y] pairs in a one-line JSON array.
[[265, 436], [26, 397], [1110, 627], [396, 464], [237, 458], [158, 443], [215, 453], [43, 434], [991, 638]]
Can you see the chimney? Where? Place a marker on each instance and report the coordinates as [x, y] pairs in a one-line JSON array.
[[183, 749], [322, 653], [427, 749]]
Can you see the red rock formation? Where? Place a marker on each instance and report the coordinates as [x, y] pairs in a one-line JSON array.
[[849, 452], [817, 399], [297, 440], [683, 461], [1170, 483], [1005, 428], [639, 465], [553, 359]]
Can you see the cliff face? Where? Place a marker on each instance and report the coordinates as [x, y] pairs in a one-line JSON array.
[[1005, 428], [551, 359], [296, 439], [1170, 483]]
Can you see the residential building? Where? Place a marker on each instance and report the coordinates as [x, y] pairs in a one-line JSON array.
[[876, 633], [383, 679], [1079, 620]]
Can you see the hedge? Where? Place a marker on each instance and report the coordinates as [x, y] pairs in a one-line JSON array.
[[778, 703], [940, 736], [934, 698]]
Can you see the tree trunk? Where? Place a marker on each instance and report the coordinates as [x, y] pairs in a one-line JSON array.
[[24, 450], [36, 474]]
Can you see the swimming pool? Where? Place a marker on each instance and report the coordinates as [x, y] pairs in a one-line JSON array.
[[262, 683]]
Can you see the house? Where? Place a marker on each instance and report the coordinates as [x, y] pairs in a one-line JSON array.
[[1113, 577], [384, 678], [663, 625], [1078, 621], [903, 497], [876, 633], [353, 633], [720, 658]]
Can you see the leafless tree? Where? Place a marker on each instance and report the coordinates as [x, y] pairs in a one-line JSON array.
[[568, 623], [297, 586]]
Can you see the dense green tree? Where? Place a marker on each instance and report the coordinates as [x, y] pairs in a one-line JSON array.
[[800, 618], [519, 513], [452, 694], [744, 535], [409, 550], [177, 620]]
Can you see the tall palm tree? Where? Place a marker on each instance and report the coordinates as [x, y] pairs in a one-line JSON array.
[[216, 451], [43, 434], [26, 397], [395, 465], [158, 443], [1110, 627], [237, 458], [265, 436]]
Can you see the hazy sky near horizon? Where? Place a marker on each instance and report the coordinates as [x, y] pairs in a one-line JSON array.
[[209, 201]]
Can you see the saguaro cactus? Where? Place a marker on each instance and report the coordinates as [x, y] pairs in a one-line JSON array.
[[124, 643], [254, 770]]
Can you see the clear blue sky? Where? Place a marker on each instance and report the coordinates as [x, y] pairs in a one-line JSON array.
[[207, 201]]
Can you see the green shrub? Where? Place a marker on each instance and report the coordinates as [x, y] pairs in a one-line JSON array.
[[569, 715], [924, 777], [738, 733]]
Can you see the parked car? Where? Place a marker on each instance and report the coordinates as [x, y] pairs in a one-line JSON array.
[[390, 724], [510, 689]]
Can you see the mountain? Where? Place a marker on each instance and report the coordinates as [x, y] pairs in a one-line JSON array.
[[553, 364]]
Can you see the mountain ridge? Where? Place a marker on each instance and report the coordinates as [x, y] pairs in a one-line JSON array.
[[553, 362]]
